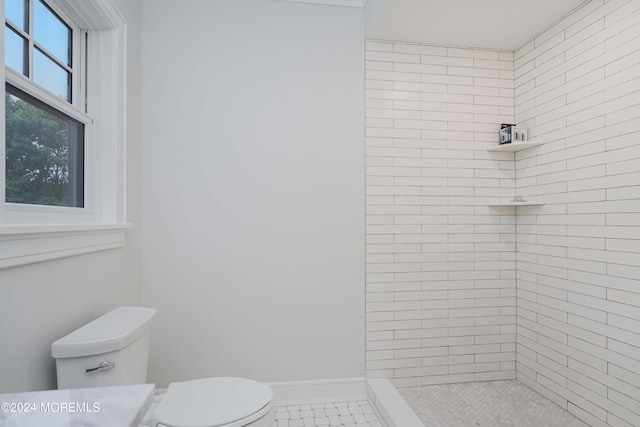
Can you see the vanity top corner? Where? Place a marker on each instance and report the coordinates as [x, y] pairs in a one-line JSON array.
[[121, 406]]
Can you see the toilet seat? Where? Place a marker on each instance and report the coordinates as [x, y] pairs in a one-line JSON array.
[[213, 402]]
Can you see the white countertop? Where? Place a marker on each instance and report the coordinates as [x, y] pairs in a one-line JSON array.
[[122, 406]]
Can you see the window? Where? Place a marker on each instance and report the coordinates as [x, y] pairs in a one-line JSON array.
[[63, 187], [39, 45], [44, 153], [44, 146]]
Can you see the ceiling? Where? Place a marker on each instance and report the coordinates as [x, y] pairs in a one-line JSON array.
[[495, 24]]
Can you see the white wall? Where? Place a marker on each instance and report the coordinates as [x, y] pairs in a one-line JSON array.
[[42, 302], [253, 189], [440, 262], [578, 88]]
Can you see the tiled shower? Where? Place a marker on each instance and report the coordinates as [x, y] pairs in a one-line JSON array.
[[441, 294], [460, 291]]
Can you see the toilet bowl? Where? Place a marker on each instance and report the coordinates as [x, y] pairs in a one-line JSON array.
[[213, 402], [113, 350]]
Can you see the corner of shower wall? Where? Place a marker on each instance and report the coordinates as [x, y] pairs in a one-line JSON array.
[[441, 266], [441, 263]]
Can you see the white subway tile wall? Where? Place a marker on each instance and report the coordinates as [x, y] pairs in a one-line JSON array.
[[442, 305], [441, 297], [577, 87]]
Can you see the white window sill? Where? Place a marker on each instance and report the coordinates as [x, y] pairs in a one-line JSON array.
[[27, 244]]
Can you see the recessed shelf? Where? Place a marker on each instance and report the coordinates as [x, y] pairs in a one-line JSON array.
[[515, 146], [505, 204]]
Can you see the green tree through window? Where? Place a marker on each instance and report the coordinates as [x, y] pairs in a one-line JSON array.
[[44, 154]]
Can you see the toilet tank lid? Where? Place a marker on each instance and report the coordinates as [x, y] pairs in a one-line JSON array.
[[113, 331]]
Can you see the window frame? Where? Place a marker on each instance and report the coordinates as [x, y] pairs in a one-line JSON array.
[[78, 50], [33, 233], [75, 108]]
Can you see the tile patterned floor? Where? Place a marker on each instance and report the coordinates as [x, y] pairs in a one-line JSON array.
[[347, 414], [486, 404]]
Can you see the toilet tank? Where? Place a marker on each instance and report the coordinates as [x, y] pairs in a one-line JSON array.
[[109, 351]]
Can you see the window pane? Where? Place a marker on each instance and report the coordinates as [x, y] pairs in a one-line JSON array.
[[51, 75], [51, 32], [44, 153], [15, 51], [14, 10]]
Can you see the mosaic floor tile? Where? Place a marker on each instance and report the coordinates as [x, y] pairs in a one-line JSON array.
[[486, 404], [346, 414]]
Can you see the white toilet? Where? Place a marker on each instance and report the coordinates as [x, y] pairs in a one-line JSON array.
[[113, 349]]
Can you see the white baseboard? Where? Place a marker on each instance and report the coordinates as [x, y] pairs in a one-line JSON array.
[[319, 390]]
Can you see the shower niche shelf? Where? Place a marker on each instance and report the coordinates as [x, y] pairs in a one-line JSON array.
[[515, 146], [516, 204]]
